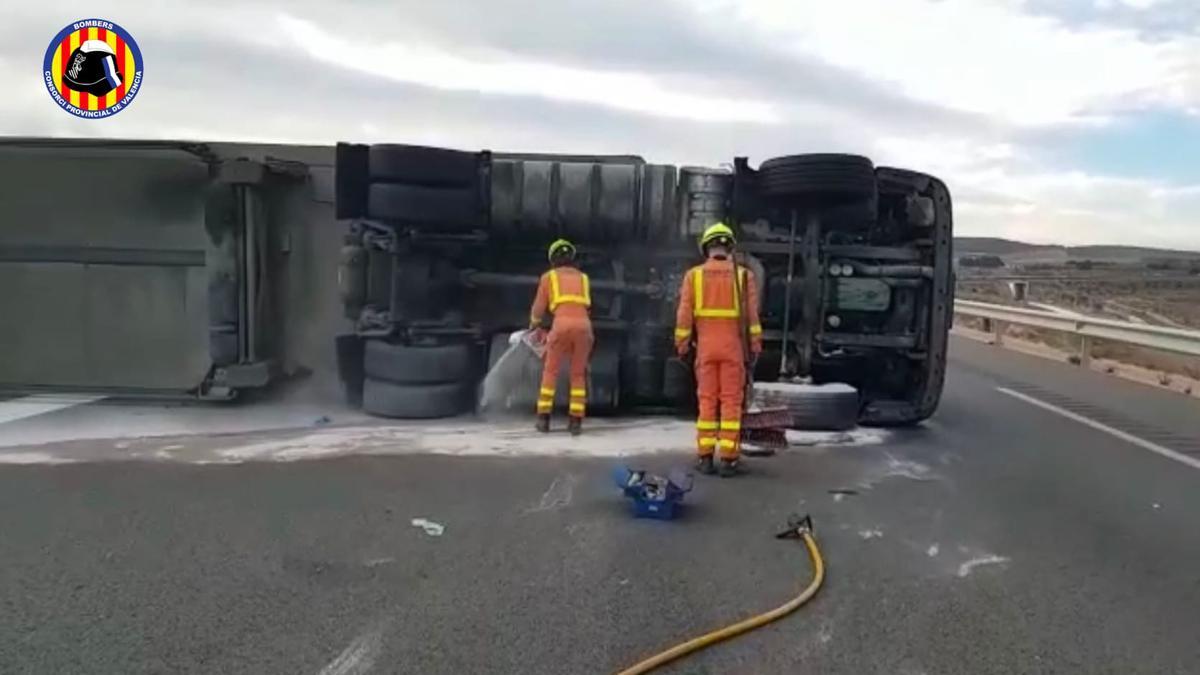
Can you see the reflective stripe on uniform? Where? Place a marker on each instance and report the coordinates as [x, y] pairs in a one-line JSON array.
[[706, 425], [545, 406], [557, 298], [547, 392], [577, 408], [683, 333], [731, 426], [578, 393], [707, 442], [715, 313], [756, 329], [726, 443]]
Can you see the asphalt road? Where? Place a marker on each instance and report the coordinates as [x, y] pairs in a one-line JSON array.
[[1000, 538]]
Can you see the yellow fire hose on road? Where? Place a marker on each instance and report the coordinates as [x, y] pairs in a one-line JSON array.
[[797, 529]]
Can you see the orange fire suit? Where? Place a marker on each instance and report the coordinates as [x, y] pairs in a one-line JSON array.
[[710, 304], [566, 292]]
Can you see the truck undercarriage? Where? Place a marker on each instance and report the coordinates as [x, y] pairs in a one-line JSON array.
[[444, 249]]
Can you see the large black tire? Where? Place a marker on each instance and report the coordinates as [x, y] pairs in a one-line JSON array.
[[420, 165], [679, 384], [349, 348], [223, 345], [423, 205], [405, 364], [822, 179], [350, 181], [814, 407], [423, 401]]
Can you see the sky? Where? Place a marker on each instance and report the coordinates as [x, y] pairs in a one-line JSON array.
[[1052, 121]]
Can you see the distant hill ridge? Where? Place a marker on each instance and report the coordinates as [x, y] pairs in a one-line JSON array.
[[1008, 248]]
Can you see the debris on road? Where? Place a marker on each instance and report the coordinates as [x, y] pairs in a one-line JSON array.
[[857, 436], [431, 528], [841, 493], [558, 495], [897, 468]]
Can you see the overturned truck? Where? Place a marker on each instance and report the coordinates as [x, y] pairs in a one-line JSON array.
[[444, 248]]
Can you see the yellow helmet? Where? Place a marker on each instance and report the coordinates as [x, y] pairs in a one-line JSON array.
[[560, 247], [715, 232]]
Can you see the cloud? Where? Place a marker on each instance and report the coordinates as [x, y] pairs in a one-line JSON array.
[[1152, 19], [414, 63], [986, 56], [977, 92]]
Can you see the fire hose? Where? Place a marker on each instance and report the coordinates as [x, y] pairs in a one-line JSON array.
[[797, 529]]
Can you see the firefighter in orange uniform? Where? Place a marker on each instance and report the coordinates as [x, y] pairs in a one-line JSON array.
[[565, 291], [712, 300]]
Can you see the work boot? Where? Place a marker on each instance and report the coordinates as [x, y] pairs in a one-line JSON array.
[[543, 423], [575, 425], [729, 467], [705, 465]]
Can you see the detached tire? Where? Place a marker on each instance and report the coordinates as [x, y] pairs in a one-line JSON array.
[[824, 179], [419, 204], [404, 364], [415, 402], [814, 407], [421, 165]]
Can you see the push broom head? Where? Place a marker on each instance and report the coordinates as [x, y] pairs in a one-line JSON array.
[[764, 430]]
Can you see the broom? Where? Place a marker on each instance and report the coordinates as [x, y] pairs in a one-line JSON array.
[[762, 428]]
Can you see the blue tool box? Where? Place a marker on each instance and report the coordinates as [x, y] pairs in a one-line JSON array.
[[653, 496]]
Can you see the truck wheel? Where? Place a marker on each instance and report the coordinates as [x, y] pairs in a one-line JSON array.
[[405, 364], [821, 178], [350, 181], [420, 204], [420, 165], [814, 407], [424, 401], [679, 385]]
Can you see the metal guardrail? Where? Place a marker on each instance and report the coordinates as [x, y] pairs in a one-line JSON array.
[[1083, 278], [1175, 340]]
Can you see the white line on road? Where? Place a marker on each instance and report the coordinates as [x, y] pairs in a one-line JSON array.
[[29, 406], [31, 458], [359, 657], [965, 568], [1100, 426]]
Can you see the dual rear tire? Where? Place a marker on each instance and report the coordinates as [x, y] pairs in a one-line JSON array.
[[411, 186], [417, 381]]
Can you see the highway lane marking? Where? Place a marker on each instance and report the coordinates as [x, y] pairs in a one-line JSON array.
[[30, 406], [359, 657], [965, 569], [31, 458], [1100, 426], [559, 494]]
